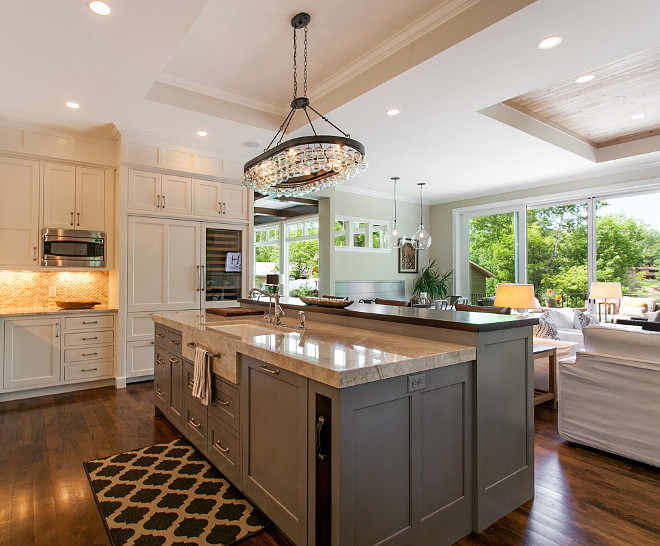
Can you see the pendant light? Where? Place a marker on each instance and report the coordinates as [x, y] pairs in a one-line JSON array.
[[394, 237], [421, 240], [308, 163]]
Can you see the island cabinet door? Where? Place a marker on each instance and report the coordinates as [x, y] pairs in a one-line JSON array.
[[274, 444], [405, 459]]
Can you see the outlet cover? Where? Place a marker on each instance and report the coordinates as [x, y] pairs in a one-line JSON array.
[[416, 382], [52, 291]]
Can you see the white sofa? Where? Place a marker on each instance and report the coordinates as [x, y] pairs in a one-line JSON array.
[[609, 394]]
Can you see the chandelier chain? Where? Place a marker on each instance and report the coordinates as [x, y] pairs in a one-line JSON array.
[[305, 65], [295, 65]]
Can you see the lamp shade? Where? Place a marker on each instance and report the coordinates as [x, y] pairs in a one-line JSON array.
[[516, 296], [605, 291]]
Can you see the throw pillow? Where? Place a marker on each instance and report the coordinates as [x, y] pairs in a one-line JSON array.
[[546, 327], [632, 311], [582, 319]]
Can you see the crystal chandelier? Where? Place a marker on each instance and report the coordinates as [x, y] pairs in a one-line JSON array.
[[421, 240], [394, 237], [309, 163]]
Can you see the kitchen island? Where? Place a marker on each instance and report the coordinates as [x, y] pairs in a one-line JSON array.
[[361, 429]]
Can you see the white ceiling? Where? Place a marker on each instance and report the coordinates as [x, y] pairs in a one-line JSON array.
[[225, 67]]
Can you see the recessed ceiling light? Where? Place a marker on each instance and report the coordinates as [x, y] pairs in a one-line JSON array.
[[585, 79], [72, 105], [100, 8], [637, 116], [202, 133], [393, 112], [550, 42]]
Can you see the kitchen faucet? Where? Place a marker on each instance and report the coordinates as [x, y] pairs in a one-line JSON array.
[[279, 312]]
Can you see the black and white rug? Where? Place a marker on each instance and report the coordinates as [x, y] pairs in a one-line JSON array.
[[169, 494]]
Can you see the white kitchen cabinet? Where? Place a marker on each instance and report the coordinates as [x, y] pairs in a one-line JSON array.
[[73, 197], [19, 212], [139, 358], [163, 264], [32, 352], [220, 200], [162, 193]]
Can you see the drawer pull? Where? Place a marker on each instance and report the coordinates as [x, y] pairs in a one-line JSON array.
[[158, 334], [90, 322], [221, 401], [89, 370], [88, 354], [174, 360], [191, 421], [159, 392], [90, 338], [267, 369], [160, 361], [174, 342], [191, 383], [219, 446]]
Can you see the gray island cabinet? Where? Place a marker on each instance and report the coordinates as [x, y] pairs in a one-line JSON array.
[[355, 436]]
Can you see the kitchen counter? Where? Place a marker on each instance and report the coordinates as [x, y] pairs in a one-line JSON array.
[[337, 356], [21, 311]]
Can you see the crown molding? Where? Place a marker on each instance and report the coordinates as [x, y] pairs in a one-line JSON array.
[[373, 193], [105, 132]]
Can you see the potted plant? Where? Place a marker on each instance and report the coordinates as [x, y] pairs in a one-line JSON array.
[[431, 280]]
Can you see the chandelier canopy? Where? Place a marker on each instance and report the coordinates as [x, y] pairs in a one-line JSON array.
[[309, 163]]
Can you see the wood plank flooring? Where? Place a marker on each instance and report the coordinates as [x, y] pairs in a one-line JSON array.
[[582, 496]]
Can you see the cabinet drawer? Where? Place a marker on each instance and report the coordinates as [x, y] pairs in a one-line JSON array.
[[95, 370], [161, 361], [173, 341], [160, 333], [84, 339], [194, 422], [91, 322], [188, 377], [91, 353], [223, 450], [160, 393], [224, 402]]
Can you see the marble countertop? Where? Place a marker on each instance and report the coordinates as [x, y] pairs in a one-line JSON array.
[[455, 320], [338, 356], [20, 311]]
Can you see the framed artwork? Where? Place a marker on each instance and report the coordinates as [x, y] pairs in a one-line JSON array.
[[408, 258]]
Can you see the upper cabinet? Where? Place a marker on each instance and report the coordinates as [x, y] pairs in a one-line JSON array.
[[73, 197], [19, 212], [163, 193], [220, 200]]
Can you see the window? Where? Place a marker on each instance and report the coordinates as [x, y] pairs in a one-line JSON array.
[[266, 254], [359, 229], [362, 234], [302, 257], [340, 232]]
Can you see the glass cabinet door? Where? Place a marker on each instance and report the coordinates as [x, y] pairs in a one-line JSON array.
[[223, 271]]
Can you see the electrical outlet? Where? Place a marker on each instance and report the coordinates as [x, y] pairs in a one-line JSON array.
[[52, 291], [416, 382]]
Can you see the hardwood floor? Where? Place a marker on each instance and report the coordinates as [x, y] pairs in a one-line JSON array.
[[582, 496]]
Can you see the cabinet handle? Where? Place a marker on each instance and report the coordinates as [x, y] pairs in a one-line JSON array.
[[157, 201], [90, 322], [160, 361], [191, 383], [203, 285], [89, 370], [158, 334], [224, 208], [159, 392], [319, 426], [57, 329], [78, 224], [88, 354], [174, 360], [163, 201], [88, 338], [267, 369], [221, 401], [199, 279], [71, 218], [219, 446], [174, 342], [219, 207], [191, 421], [34, 253]]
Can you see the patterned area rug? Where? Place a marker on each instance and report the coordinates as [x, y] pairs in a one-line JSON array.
[[170, 494]]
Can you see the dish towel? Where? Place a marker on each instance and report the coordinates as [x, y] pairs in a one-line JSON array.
[[202, 376]]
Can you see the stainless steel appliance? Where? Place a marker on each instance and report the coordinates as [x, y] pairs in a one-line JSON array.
[[72, 248]]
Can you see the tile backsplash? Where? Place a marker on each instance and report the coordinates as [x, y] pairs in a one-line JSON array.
[[32, 288]]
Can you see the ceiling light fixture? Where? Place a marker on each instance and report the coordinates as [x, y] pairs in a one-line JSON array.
[[394, 237], [100, 8], [550, 42], [584, 79], [421, 240], [202, 133], [393, 112], [72, 105], [637, 116], [308, 163]]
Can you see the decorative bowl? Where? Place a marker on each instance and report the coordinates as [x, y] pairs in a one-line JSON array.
[[326, 302], [76, 304]]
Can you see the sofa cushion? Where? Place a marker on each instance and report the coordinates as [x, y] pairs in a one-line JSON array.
[[629, 343], [655, 317], [632, 311], [561, 316], [582, 319], [546, 327]]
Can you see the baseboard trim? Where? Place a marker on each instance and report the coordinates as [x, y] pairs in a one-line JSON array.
[[57, 389]]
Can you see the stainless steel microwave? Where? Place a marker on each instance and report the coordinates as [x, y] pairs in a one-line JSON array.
[[72, 248]]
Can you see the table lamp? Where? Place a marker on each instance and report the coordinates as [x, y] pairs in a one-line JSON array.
[[605, 291], [516, 296]]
